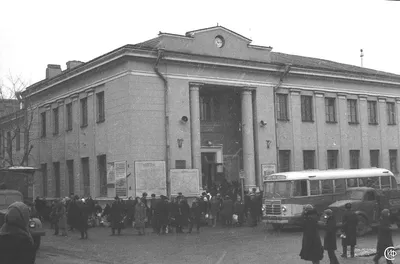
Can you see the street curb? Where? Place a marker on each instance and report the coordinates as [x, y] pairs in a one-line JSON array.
[[368, 252]]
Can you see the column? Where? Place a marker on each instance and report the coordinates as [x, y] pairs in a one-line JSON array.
[[248, 139], [344, 124], [294, 102], [320, 121], [195, 129], [365, 159], [383, 124]]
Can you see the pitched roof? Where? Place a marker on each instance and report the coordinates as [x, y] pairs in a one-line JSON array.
[[296, 60]]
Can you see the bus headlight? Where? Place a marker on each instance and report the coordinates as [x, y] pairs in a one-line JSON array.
[[32, 224], [283, 208]]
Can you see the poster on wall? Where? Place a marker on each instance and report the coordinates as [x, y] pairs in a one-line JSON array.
[[121, 189], [185, 181], [110, 175], [268, 169], [150, 177]]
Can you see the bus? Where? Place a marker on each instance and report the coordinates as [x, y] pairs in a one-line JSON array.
[[286, 193]]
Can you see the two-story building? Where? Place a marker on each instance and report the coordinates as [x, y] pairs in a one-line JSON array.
[[212, 101]]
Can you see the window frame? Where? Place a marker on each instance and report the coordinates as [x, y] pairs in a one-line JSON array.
[[372, 107], [56, 121], [284, 154], [374, 154], [307, 158], [393, 158], [307, 108], [282, 109], [330, 110], [69, 116], [329, 158], [391, 113], [100, 107], [354, 151], [352, 111], [43, 124], [84, 112]]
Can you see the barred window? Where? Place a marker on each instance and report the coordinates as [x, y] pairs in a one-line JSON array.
[[306, 108], [352, 111], [372, 113], [284, 160], [282, 107], [309, 159], [354, 159], [330, 110], [374, 158], [332, 159]]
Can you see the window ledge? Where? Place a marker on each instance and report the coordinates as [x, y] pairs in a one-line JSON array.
[[83, 126], [283, 120], [392, 124], [331, 122], [307, 121], [373, 124], [354, 123], [102, 120]]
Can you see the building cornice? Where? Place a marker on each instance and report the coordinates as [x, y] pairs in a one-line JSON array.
[[170, 56]]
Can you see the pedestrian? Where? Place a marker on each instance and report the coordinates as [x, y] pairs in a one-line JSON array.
[[195, 215], [185, 212], [55, 216], [73, 213], [152, 216], [16, 243], [238, 209], [385, 239], [215, 206], [349, 230], [62, 217], [311, 248], [116, 215], [175, 215], [140, 216], [82, 218], [130, 210], [226, 211], [330, 236]]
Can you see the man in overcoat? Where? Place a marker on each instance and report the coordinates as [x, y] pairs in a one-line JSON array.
[[330, 236], [116, 215], [161, 213], [385, 239], [349, 230]]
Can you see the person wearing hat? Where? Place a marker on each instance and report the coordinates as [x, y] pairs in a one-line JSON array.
[[161, 214], [16, 242], [330, 236], [226, 211], [349, 230], [311, 248], [116, 216], [195, 215], [385, 239]]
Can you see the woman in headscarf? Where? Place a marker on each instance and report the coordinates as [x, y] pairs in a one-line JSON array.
[[16, 243], [330, 236], [385, 239], [140, 216], [311, 249]]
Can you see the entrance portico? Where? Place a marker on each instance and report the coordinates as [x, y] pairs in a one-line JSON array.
[[245, 126]]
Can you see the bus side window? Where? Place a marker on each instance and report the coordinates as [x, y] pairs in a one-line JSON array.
[[373, 182], [394, 182], [314, 188], [385, 182], [327, 186], [340, 185], [352, 183], [362, 182], [300, 188]]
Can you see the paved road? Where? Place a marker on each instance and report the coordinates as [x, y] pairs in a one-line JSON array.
[[211, 246]]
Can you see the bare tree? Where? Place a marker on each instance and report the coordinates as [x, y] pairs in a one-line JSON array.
[[17, 121]]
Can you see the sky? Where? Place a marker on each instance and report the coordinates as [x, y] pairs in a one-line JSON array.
[[36, 33]]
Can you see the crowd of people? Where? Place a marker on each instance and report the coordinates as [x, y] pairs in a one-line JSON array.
[[312, 248]]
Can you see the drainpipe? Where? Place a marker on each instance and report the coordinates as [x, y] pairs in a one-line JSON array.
[[287, 69], [160, 55]]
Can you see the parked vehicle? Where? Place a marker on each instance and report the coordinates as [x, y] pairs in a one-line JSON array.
[[367, 203], [286, 193]]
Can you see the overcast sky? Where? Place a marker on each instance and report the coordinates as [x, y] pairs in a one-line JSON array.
[[36, 33]]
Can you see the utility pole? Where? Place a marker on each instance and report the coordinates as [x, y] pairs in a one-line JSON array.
[[361, 56]]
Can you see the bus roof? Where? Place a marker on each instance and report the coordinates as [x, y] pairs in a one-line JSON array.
[[328, 174]]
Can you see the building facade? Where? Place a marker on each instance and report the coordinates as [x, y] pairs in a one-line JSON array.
[[212, 101]]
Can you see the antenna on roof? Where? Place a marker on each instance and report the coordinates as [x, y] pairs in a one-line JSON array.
[[361, 56]]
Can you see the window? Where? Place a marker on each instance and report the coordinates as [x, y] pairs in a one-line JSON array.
[[69, 116], [373, 182], [57, 177], [330, 110], [372, 113], [391, 113], [100, 107], [300, 188], [393, 182], [327, 186], [314, 188], [352, 111], [352, 183], [85, 176], [332, 159], [71, 179], [44, 179], [282, 107], [9, 144], [306, 108], [393, 160], [362, 182], [180, 164], [43, 122], [284, 160], [340, 185], [374, 158], [209, 108], [309, 159], [102, 170], [354, 159], [55, 121], [84, 112], [18, 139], [385, 182]]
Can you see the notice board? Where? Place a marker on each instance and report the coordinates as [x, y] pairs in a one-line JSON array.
[[185, 181], [150, 177]]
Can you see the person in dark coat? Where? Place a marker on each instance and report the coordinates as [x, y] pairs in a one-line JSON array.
[[175, 215], [116, 216], [130, 210], [349, 230], [330, 236], [385, 239], [226, 211], [161, 212], [254, 209], [311, 248], [82, 218], [195, 215], [73, 213], [238, 209], [152, 215], [185, 212]]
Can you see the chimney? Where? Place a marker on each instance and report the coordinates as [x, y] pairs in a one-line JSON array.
[[52, 70], [73, 64]]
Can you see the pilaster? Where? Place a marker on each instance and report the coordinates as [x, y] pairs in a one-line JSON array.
[[344, 124], [295, 113], [364, 127]]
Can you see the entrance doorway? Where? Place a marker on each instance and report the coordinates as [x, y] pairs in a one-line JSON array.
[[209, 168]]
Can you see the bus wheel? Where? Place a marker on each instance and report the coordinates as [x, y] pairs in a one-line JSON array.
[[277, 226], [362, 227]]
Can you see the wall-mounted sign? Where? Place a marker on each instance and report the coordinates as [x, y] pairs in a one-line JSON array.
[[268, 169]]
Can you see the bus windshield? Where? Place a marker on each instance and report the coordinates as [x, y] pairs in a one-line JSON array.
[[278, 189]]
